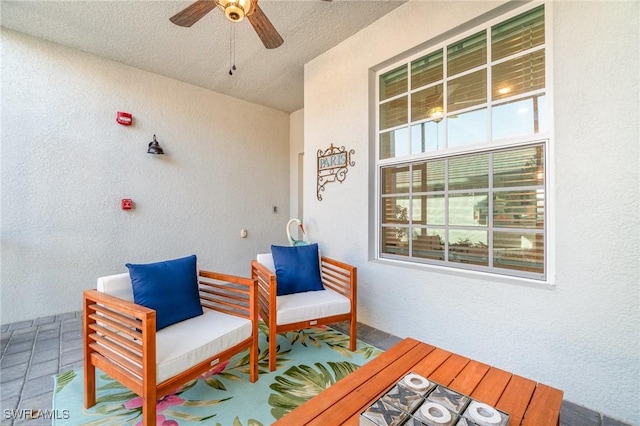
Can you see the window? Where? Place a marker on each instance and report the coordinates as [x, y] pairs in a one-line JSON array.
[[462, 139]]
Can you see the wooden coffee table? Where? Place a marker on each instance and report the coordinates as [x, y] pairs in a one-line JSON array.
[[526, 402]]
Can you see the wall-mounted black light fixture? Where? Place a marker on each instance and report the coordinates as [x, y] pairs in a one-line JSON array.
[[154, 147]]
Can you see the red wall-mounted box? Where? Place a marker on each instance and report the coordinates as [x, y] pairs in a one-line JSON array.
[[124, 118]]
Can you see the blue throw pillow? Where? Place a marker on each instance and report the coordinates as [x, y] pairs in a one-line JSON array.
[[169, 287], [297, 269]]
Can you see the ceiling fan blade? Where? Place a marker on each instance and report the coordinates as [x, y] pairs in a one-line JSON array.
[[265, 29], [193, 13]]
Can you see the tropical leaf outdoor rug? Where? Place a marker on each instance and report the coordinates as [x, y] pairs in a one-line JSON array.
[[309, 361]]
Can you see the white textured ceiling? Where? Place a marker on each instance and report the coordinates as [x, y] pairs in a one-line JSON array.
[[138, 33]]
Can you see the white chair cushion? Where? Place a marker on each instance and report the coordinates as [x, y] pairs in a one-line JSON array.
[[310, 305], [117, 285], [187, 343], [266, 259], [307, 305]]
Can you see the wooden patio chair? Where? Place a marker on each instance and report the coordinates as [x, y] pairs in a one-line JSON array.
[[336, 303], [120, 337]]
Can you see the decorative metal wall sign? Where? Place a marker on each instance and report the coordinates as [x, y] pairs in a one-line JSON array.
[[333, 165]]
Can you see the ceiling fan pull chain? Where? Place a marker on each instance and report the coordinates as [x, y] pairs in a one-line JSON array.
[[232, 48]]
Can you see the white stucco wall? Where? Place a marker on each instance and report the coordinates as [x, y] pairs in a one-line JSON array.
[[296, 152], [66, 164], [581, 335]]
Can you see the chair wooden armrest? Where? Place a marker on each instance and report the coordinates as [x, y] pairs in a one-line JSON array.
[[343, 278], [120, 338], [236, 296], [267, 287], [340, 277]]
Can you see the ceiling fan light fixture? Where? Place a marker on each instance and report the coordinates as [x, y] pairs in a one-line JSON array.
[[436, 114], [235, 10]]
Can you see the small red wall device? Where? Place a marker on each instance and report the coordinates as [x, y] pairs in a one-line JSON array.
[[124, 118], [126, 204]]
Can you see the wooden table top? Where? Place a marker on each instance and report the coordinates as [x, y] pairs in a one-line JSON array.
[[526, 402]]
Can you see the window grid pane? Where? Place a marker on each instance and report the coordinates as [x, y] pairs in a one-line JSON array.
[[427, 70], [468, 246], [467, 129], [426, 102], [518, 34], [426, 136], [393, 83], [395, 180], [467, 54], [392, 241], [428, 177], [395, 210], [463, 208], [394, 113], [485, 210], [519, 75], [519, 251], [471, 172], [519, 209], [514, 77], [522, 167], [428, 210], [394, 143], [467, 91], [519, 118], [428, 244]]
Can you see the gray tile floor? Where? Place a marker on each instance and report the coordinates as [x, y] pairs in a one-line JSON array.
[[33, 351]]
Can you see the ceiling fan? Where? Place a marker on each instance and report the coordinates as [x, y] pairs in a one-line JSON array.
[[235, 11]]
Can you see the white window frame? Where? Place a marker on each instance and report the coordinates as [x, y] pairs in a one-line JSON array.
[[544, 138]]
